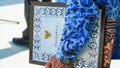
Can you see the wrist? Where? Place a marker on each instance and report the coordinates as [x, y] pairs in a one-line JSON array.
[[65, 61]]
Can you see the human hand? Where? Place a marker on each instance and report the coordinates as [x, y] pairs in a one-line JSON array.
[[54, 63]]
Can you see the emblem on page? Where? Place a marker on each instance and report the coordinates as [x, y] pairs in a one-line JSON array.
[[47, 34]]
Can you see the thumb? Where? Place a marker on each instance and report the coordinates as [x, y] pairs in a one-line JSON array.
[[48, 65]]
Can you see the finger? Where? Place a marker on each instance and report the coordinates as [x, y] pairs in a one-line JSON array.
[[54, 62], [58, 64], [48, 65]]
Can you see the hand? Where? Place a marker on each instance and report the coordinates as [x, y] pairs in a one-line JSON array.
[[54, 63]]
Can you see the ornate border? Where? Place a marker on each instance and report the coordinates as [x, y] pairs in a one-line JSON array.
[[39, 10], [91, 58], [94, 58]]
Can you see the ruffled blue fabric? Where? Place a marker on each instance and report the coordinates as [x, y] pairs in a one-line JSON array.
[[79, 21], [76, 33]]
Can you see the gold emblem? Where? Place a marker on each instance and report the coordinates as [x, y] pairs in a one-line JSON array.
[[47, 34]]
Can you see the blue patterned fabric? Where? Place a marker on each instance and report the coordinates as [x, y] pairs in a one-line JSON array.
[[113, 11], [116, 48], [62, 1], [79, 20]]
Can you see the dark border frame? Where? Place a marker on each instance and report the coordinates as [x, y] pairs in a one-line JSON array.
[[34, 3], [102, 7], [101, 47]]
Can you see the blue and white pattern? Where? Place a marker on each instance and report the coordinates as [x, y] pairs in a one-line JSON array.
[[76, 9], [50, 18], [113, 11], [88, 55], [80, 19]]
